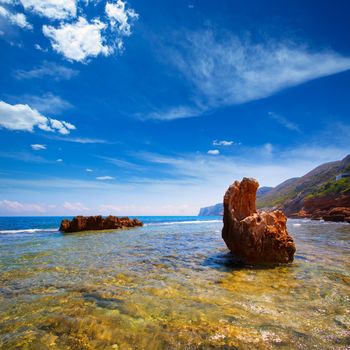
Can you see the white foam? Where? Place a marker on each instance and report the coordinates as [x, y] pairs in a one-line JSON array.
[[30, 230]]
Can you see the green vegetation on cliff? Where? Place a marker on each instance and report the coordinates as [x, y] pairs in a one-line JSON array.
[[331, 188], [320, 182]]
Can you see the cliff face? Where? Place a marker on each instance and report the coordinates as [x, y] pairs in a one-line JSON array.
[[214, 210], [255, 238]]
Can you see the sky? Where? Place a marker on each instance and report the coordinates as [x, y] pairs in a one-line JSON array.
[[156, 107]]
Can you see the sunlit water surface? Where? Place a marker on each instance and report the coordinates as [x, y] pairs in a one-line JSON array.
[[169, 285]]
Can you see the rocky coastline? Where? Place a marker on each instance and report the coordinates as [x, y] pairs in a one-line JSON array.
[[337, 214], [97, 223]]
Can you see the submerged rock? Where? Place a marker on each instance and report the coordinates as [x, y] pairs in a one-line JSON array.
[[94, 223], [257, 238]]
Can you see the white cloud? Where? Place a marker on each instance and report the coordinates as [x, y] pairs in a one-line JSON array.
[[76, 37], [119, 16], [7, 206], [284, 121], [88, 170], [23, 118], [78, 41], [47, 69], [222, 143], [38, 147], [18, 19], [61, 126], [59, 160], [213, 152], [225, 71], [52, 9], [103, 178], [77, 206]]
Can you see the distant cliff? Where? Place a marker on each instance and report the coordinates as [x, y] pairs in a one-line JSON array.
[[214, 210], [218, 209]]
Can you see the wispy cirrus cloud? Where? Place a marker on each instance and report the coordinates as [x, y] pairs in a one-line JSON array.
[[47, 103], [9, 206], [82, 140], [205, 177], [171, 113], [226, 70], [120, 163], [47, 69], [75, 206], [284, 121], [24, 157]]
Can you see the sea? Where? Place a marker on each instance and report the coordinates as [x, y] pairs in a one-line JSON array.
[[171, 284]]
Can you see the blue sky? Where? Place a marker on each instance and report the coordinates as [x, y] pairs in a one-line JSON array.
[[155, 107]]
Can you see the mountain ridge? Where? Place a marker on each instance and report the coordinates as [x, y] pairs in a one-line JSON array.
[[316, 190]]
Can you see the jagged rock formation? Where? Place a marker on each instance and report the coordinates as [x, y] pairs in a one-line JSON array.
[[218, 209], [256, 238], [95, 223]]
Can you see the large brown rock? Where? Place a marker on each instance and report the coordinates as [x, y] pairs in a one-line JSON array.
[[336, 214], [256, 238], [95, 223], [339, 214]]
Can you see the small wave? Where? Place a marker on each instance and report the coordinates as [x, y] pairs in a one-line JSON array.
[[30, 230], [194, 222]]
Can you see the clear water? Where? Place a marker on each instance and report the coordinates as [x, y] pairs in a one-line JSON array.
[[169, 285]]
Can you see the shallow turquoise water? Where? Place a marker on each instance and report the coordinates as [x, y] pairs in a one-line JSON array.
[[169, 285]]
